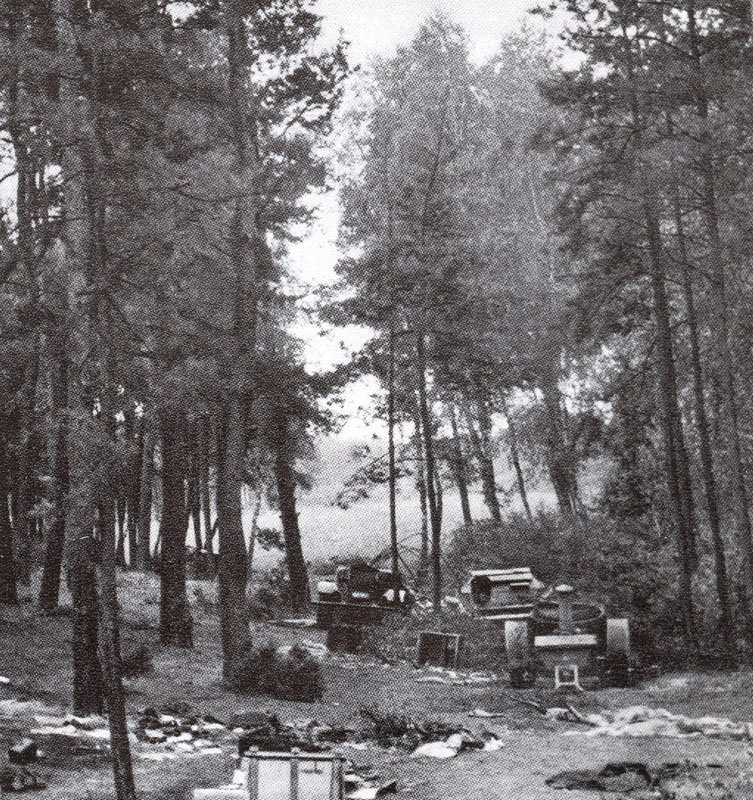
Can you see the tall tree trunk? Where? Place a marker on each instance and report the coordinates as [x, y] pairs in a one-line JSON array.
[[233, 559], [49, 591], [19, 121], [24, 526], [515, 458], [120, 547], [485, 467], [82, 550], [392, 476], [671, 423], [285, 476], [457, 464], [434, 517], [194, 491], [727, 625], [204, 460], [723, 356], [8, 591], [244, 241], [79, 519], [423, 558], [144, 552], [135, 435], [175, 624]]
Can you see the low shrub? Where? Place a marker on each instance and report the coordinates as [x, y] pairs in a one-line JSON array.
[[136, 661], [287, 674]]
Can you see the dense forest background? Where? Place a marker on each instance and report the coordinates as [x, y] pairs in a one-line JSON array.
[[551, 251]]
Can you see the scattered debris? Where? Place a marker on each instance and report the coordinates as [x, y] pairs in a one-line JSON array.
[[294, 623], [23, 752], [439, 649], [454, 678], [19, 779], [617, 777], [639, 721], [191, 734]]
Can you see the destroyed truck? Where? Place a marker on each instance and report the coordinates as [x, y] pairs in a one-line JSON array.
[[361, 595], [548, 631]]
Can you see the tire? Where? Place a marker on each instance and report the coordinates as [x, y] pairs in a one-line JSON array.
[[617, 654], [518, 650]]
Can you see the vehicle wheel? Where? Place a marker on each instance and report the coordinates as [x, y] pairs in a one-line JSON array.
[[518, 649], [617, 654]]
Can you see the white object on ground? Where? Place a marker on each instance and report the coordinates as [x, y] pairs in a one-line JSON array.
[[493, 745], [640, 721], [4, 681]]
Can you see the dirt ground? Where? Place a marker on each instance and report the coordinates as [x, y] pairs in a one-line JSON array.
[[35, 656]]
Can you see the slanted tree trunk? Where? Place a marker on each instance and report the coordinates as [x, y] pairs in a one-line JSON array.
[[558, 454], [175, 624], [457, 465], [485, 467], [431, 493], [727, 625], [286, 482], [515, 458], [49, 591]]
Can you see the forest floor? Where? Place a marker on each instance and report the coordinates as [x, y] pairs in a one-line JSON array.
[[35, 656]]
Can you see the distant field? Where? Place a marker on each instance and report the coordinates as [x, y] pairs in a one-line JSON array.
[[330, 532], [363, 529]]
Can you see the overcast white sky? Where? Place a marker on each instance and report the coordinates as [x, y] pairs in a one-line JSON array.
[[377, 27]]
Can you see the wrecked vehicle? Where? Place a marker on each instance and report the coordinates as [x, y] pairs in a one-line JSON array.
[[361, 595], [546, 630], [500, 595], [569, 640]]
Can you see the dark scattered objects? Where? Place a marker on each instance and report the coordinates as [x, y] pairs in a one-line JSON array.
[[398, 730], [343, 638], [19, 779], [248, 719], [271, 735], [23, 752], [626, 777], [137, 661], [439, 649]]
